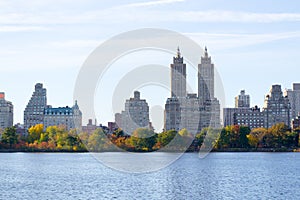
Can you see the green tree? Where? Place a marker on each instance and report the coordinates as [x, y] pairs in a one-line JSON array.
[[165, 138], [9, 136], [119, 133], [243, 140], [96, 140], [143, 139], [208, 137], [234, 137]]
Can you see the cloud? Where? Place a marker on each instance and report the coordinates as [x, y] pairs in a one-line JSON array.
[[75, 43], [236, 16], [223, 40], [152, 3], [22, 28], [144, 14]]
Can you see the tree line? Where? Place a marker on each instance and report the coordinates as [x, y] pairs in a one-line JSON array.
[[57, 138]]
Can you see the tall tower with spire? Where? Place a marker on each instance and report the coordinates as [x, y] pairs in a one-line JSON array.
[[206, 78], [190, 111], [178, 76]]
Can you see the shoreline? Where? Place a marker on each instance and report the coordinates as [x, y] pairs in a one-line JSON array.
[[261, 150]]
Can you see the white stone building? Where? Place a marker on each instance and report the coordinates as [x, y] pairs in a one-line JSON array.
[[70, 117]]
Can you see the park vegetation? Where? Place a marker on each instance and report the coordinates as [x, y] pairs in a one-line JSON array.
[[231, 138]]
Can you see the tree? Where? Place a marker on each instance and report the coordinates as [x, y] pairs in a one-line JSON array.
[[9, 136], [119, 133], [277, 136], [165, 138], [243, 140], [96, 140], [234, 137], [183, 132], [34, 132], [256, 137], [143, 139], [207, 138]]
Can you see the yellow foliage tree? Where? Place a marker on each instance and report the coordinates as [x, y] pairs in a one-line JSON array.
[[35, 132]]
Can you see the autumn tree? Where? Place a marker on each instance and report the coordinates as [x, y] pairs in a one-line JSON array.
[[34, 132], [256, 137]]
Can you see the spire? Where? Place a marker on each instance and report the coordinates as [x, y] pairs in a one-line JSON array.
[[205, 53], [76, 105], [178, 52]]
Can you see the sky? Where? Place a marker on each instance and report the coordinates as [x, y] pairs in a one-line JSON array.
[[253, 43]]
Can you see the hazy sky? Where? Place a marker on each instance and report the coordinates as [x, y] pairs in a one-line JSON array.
[[253, 43]]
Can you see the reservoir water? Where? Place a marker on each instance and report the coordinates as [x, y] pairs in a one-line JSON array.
[[218, 176]]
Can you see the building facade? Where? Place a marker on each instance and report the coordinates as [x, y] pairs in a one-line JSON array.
[[34, 111], [70, 117], [135, 115], [228, 115], [251, 117], [242, 114], [189, 110], [276, 108], [6, 112], [294, 99], [242, 100], [172, 114]]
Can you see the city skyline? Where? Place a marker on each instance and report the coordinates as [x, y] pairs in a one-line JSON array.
[[244, 98], [247, 42], [233, 102]]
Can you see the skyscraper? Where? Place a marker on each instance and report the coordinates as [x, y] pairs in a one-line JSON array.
[[6, 112], [34, 111], [294, 98], [276, 107], [178, 76], [135, 115], [242, 100], [206, 78]]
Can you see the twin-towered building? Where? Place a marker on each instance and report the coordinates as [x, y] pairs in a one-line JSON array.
[[182, 110], [192, 111], [38, 112]]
